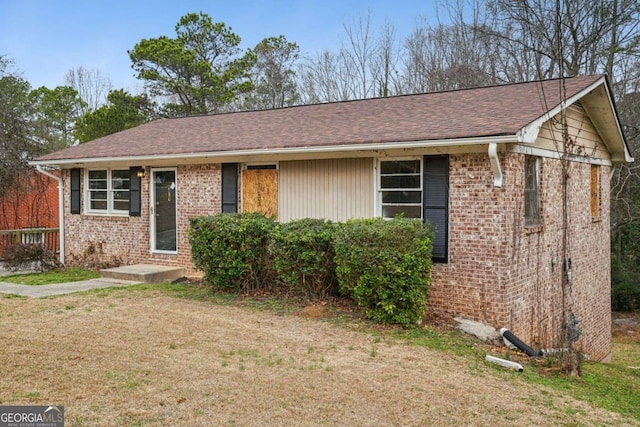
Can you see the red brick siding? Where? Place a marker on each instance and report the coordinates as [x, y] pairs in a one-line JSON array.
[[128, 238], [506, 274], [471, 284]]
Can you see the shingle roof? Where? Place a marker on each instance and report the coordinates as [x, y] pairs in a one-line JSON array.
[[470, 113]]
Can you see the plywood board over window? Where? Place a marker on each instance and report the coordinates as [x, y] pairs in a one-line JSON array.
[[260, 190]]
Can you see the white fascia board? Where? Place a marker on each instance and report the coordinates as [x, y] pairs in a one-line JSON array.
[[627, 155], [221, 155]]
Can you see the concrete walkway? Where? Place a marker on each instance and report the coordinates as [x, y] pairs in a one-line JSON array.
[[61, 288], [58, 288]]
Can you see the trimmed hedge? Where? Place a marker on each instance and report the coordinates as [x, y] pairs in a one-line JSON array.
[[303, 255], [232, 250], [385, 266]]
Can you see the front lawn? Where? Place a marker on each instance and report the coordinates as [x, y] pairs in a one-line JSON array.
[[157, 355], [50, 277]]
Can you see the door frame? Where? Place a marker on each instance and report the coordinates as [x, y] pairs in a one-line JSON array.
[[152, 210]]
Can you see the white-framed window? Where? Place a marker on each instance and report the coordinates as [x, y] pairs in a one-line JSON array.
[[108, 191], [400, 187]]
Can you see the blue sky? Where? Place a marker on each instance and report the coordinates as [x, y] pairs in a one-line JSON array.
[[46, 38]]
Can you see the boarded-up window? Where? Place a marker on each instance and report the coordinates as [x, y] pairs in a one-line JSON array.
[[260, 190], [595, 191], [531, 192]]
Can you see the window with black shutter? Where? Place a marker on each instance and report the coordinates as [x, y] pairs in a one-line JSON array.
[[76, 175], [135, 184], [436, 203], [229, 187]]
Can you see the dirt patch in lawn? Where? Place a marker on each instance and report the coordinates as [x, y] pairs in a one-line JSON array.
[[150, 359]]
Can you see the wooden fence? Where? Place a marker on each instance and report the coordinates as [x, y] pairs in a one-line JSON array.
[[48, 237]]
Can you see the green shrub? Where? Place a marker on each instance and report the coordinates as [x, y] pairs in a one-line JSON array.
[[385, 266], [303, 255], [23, 256], [232, 250]]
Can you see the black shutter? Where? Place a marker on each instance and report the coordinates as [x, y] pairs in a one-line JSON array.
[[76, 174], [229, 187], [436, 203], [135, 185]]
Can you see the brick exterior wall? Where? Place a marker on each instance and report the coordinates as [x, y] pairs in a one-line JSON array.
[[505, 274], [128, 238]]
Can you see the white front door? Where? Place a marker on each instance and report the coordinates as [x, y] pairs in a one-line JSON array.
[[163, 210]]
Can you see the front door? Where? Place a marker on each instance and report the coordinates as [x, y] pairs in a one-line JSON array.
[[163, 212]]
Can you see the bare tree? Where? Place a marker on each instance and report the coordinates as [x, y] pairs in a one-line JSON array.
[[415, 74], [363, 66], [91, 85], [324, 79], [445, 57], [356, 53], [384, 63], [568, 37]]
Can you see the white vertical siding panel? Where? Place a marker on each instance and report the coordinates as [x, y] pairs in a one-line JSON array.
[[336, 189]]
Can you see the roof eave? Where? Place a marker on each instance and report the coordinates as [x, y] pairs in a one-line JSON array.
[[214, 156], [609, 128]]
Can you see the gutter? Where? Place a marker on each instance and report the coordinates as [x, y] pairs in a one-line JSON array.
[[60, 207], [212, 155]]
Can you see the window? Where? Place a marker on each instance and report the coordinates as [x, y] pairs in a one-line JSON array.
[[108, 191], [418, 188], [401, 188], [531, 193], [435, 197], [595, 192]]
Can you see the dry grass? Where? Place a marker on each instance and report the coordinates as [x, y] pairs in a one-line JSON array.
[[129, 358]]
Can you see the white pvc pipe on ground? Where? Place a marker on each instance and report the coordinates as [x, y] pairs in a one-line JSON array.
[[506, 363]]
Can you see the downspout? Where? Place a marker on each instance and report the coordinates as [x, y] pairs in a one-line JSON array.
[[495, 164], [60, 207]]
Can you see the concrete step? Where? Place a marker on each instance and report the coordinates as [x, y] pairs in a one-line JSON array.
[[146, 273]]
